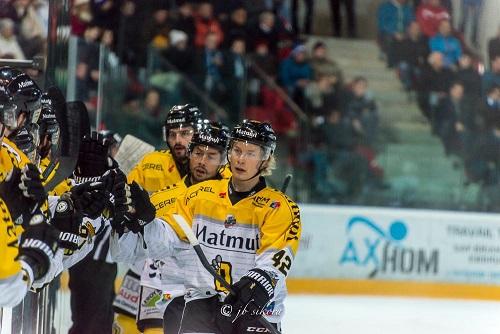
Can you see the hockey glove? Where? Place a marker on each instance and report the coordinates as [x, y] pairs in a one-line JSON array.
[[90, 198], [67, 220], [93, 160], [251, 295], [132, 207], [38, 246], [23, 193]]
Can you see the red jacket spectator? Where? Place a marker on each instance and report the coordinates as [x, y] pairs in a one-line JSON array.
[[429, 15], [205, 23]]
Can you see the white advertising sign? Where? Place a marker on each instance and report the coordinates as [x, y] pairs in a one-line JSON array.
[[398, 244]]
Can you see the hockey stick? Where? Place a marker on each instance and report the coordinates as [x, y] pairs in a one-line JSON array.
[[73, 123], [286, 182], [199, 252]]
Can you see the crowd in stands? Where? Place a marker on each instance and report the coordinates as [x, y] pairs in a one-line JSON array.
[[247, 58], [23, 28], [460, 99]]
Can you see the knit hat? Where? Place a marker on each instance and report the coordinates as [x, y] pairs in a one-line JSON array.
[[177, 36]]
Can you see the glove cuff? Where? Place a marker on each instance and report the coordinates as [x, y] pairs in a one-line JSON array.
[[263, 279], [28, 275]]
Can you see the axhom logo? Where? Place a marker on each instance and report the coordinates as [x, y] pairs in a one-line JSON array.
[[382, 251]]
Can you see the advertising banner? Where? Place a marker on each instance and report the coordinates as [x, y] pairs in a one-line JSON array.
[[398, 244]]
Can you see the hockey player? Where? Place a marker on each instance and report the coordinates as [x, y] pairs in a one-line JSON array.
[[248, 230], [28, 244], [207, 157], [159, 169], [155, 171]]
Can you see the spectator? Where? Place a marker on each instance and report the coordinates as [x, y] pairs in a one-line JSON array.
[[7, 10], [235, 73], [322, 96], [205, 24], [411, 55], [179, 54], [494, 46], [469, 77], [32, 33], [236, 27], [322, 64], [87, 68], [362, 110], [429, 15], [105, 13], [471, 12], [185, 21], [156, 30], [295, 73], [266, 31], [209, 62], [336, 17], [262, 64], [491, 78], [394, 17], [448, 45], [152, 105], [81, 16], [9, 46], [449, 112], [434, 84], [307, 19]]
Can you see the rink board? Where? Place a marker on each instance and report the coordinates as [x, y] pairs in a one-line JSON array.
[[363, 250]]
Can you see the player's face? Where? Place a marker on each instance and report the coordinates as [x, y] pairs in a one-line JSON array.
[[178, 141], [204, 162], [245, 159]]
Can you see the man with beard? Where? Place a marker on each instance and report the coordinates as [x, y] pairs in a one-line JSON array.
[[162, 280], [155, 171]]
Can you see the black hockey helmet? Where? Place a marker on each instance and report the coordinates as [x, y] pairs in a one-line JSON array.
[[113, 138], [212, 134], [182, 115], [8, 110], [24, 91], [255, 132]]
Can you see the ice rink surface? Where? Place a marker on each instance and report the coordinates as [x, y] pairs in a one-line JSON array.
[[389, 315]]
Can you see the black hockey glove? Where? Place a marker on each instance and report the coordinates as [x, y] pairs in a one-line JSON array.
[[93, 160], [132, 206], [38, 245], [90, 198], [67, 220], [23, 193], [251, 295]]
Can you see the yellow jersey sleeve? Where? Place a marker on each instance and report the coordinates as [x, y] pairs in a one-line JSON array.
[[9, 234], [280, 234], [155, 171]]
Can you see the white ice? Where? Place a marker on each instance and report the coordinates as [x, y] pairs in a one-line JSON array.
[[381, 315]]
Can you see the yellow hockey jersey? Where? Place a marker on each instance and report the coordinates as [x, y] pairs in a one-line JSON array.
[[259, 231], [155, 171]]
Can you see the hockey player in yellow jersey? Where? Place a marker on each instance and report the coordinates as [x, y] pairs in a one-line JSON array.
[[27, 243], [159, 169], [155, 171], [249, 231], [165, 277]]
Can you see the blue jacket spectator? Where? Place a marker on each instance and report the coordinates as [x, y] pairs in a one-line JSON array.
[[295, 71], [491, 78], [394, 16], [445, 43]]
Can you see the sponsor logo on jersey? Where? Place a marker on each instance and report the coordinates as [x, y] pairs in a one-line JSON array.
[[230, 221], [222, 195], [152, 299], [223, 240], [275, 205], [152, 166], [196, 192], [260, 201], [171, 168], [165, 203], [293, 230]]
